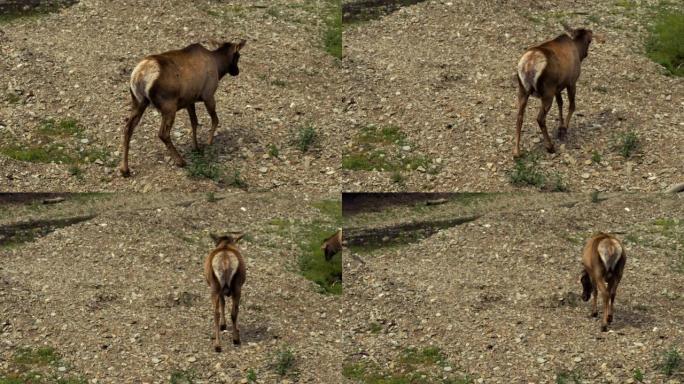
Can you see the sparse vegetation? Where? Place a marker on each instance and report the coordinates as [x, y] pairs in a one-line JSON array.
[[182, 377], [333, 29], [665, 46], [596, 157], [75, 171], [595, 197], [36, 356], [12, 97], [375, 327], [66, 127], [204, 164], [397, 177], [567, 377], [306, 137], [525, 171], [312, 263], [628, 142], [251, 376], [638, 375], [672, 360], [273, 150], [39, 154], [32, 12], [285, 361], [237, 181]]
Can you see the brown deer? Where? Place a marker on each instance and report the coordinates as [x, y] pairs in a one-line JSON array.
[[544, 71], [225, 272], [176, 80], [604, 260], [332, 245]]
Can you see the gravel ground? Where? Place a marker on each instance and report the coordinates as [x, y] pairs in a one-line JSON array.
[[124, 304], [443, 73], [75, 64], [500, 296]]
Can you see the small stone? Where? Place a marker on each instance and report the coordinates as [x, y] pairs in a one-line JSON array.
[[263, 169], [585, 175], [155, 360], [420, 169], [587, 162], [99, 162], [85, 141], [536, 140], [499, 140], [447, 369], [406, 148], [192, 359], [577, 359], [62, 369], [541, 360]]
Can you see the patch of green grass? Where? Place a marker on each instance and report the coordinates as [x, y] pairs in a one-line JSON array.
[[39, 154], [66, 127], [273, 12], [279, 83], [375, 327], [251, 376], [273, 150], [526, 172], [380, 135], [76, 172], [367, 161], [627, 4], [36, 356], [397, 177], [593, 19], [566, 377], [332, 38], [203, 164], [211, 197], [284, 361], [558, 184], [628, 142], [312, 263], [182, 377], [305, 137], [672, 360], [31, 13], [665, 45], [596, 157], [595, 197], [638, 375], [237, 181], [413, 366], [12, 97]]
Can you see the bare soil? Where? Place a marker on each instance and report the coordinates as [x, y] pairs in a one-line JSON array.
[[443, 73], [500, 296], [75, 65], [121, 297]]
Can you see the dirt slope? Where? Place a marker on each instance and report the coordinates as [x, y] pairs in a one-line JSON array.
[[500, 296], [122, 303], [75, 64], [442, 72]]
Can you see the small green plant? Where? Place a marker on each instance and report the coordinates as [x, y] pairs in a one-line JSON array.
[[566, 377], [397, 177], [285, 361], [237, 181], [251, 376], [273, 12], [306, 137], [596, 157], [273, 150], [211, 197], [672, 359], [375, 327], [327, 274], [66, 127], [12, 98], [595, 197], [638, 375], [279, 83], [525, 171], [665, 46], [558, 184], [37, 356], [203, 164], [182, 377], [628, 143], [75, 171], [332, 38], [39, 154]]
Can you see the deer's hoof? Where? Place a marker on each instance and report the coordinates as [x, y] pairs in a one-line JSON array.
[[217, 348], [610, 319], [604, 328], [551, 149], [236, 341], [594, 314], [562, 133], [224, 327], [180, 163], [125, 172]]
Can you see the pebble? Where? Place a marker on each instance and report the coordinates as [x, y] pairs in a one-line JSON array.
[[155, 360], [577, 359], [406, 148], [585, 175], [263, 169], [192, 359], [62, 369]]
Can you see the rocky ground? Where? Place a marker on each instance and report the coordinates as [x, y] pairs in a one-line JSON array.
[[497, 299], [120, 298], [64, 97], [442, 74]]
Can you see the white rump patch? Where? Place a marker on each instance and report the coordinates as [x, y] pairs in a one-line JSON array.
[[610, 252], [225, 260], [142, 78], [530, 67]]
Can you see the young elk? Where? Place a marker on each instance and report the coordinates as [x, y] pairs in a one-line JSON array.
[[332, 245], [604, 260], [176, 80], [225, 272], [544, 71]]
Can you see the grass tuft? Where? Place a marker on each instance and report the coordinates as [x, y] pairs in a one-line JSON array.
[[525, 171], [672, 360], [305, 138], [312, 263], [665, 46], [182, 377], [203, 164], [628, 143], [285, 361], [332, 38]]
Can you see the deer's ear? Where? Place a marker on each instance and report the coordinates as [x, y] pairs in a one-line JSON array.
[[215, 238], [240, 45]]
